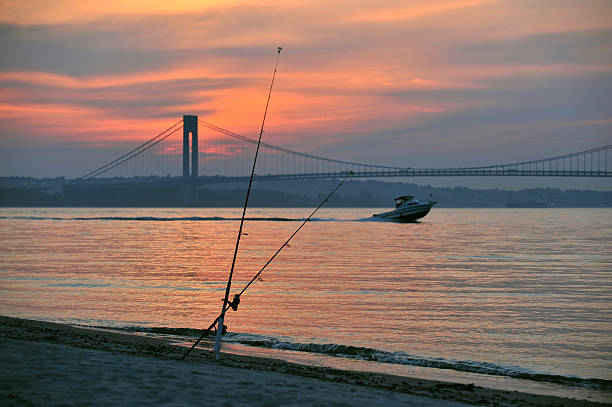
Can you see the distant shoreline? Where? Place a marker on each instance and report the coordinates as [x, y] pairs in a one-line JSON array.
[[286, 194]]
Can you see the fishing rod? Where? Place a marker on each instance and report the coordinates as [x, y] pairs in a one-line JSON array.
[[236, 300], [246, 202]]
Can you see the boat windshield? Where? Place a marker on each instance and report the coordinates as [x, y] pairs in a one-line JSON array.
[[402, 199]]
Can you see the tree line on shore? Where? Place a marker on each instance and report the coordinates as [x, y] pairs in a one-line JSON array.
[[370, 193]]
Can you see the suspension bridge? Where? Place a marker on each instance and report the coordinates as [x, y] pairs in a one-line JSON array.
[[194, 152]]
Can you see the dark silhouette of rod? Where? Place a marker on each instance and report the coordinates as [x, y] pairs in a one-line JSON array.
[[246, 202], [227, 305], [295, 233]]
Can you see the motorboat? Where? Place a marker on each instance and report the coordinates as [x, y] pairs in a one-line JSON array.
[[407, 209]]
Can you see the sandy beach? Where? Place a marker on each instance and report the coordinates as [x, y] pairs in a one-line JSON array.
[[44, 363]]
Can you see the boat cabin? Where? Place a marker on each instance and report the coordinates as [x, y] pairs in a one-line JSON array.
[[403, 199]]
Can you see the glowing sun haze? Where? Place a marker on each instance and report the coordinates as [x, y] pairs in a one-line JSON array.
[[403, 83]]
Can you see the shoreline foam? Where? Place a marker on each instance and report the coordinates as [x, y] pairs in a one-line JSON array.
[[51, 364]]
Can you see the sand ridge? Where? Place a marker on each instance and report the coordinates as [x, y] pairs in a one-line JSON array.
[[53, 364]]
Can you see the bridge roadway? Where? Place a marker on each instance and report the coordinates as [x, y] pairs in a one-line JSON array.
[[379, 173], [434, 172]]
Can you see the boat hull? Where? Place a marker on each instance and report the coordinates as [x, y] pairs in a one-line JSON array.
[[406, 214]]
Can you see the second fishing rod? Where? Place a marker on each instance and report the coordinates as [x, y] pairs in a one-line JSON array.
[[237, 297]]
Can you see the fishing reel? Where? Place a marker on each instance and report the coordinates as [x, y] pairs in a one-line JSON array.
[[234, 302]]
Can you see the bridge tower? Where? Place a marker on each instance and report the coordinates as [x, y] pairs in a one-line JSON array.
[[190, 126]]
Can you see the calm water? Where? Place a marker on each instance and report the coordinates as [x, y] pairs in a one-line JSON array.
[[512, 293]]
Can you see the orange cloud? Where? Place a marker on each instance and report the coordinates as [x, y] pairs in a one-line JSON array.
[[416, 10], [64, 11], [76, 123], [115, 71], [92, 82]]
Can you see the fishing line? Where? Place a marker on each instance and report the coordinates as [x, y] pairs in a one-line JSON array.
[[236, 300], [246, 202], [294, 233]]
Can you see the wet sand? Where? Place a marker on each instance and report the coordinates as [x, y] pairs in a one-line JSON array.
[[43, 363]]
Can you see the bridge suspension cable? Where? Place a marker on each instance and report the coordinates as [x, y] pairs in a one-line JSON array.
[[224, 159], [135, 152], [523, 168], [542, 160], [288, 151]]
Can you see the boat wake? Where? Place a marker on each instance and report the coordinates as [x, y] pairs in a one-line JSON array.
[[159, 219], [384, 220], [183, 218]]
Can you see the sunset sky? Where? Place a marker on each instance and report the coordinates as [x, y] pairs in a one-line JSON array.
[[402, 83]]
